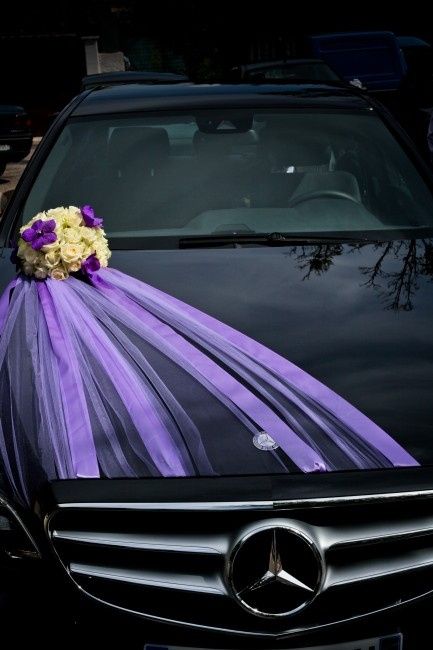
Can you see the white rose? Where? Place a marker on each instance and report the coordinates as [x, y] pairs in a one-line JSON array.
[[71, 235], [50, 247], [59, 273], [72, 217], [22, 247], [73, 267], [41, 215], [52, 258], [90, 235], [40, 273], [31, 256], [56, 213], [87, 251], [101, 250], [71, 252]]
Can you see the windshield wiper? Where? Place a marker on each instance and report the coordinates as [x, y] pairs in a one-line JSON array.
[[266, 239]]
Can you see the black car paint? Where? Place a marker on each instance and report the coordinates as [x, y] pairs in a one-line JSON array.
[[358, 317]]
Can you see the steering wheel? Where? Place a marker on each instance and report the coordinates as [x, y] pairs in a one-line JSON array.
[[322, 194]]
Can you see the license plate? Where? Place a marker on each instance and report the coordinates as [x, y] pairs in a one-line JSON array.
[[394, 642], [5, 147]]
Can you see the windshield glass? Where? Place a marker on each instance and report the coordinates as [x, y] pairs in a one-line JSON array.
[[243, 172]]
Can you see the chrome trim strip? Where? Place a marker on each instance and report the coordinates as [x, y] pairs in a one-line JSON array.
[[151, 579], [330, 539], [170, 544], [375, 570], [253, 505], [205, 505]]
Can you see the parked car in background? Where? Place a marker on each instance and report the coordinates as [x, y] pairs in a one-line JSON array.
[[130, 77], [289, 71], [15, 134], [297, 217]]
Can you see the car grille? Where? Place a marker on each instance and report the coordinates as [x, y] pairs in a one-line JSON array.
[[169, 562]]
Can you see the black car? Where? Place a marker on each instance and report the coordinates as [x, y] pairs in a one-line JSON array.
[[302, 217], [288, 71], [15, 134], [131, 76]]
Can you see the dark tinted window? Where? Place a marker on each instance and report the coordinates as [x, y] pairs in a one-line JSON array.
[[186, 175]]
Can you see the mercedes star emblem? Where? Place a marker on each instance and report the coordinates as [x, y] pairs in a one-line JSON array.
[[275, 571]]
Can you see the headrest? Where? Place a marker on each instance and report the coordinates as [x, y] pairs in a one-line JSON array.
[[141, 145]]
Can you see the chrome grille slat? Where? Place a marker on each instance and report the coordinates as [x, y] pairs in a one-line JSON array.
[[372, 570], [199, 584], [330, 537], [174, 543]]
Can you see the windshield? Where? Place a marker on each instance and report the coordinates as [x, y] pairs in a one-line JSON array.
[[242, 172]]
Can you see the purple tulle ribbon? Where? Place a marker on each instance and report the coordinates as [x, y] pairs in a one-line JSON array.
[[125, 380]]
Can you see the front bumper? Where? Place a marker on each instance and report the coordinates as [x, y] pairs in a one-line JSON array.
[[147, 561]]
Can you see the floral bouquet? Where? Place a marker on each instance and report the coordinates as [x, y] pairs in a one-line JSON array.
[[61, 241]]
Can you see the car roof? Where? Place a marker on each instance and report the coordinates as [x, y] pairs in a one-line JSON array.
[[136, 97]]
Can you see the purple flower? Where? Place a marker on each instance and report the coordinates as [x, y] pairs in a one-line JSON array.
[[90, 264], [41, 233], [88, 215]]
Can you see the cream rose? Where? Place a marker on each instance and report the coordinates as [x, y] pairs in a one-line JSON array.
[[102, 251], [40, 215], [40, 273], [52, 258], [72, 217], [90, 235], [50, 247], [71, 235], [30, 255], [71, 252], [59, 273], [22, 247], [73, 267]]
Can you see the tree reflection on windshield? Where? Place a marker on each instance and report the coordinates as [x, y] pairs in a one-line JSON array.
[[394, 275]]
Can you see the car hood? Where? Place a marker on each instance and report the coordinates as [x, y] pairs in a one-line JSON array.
[[356, 317]]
